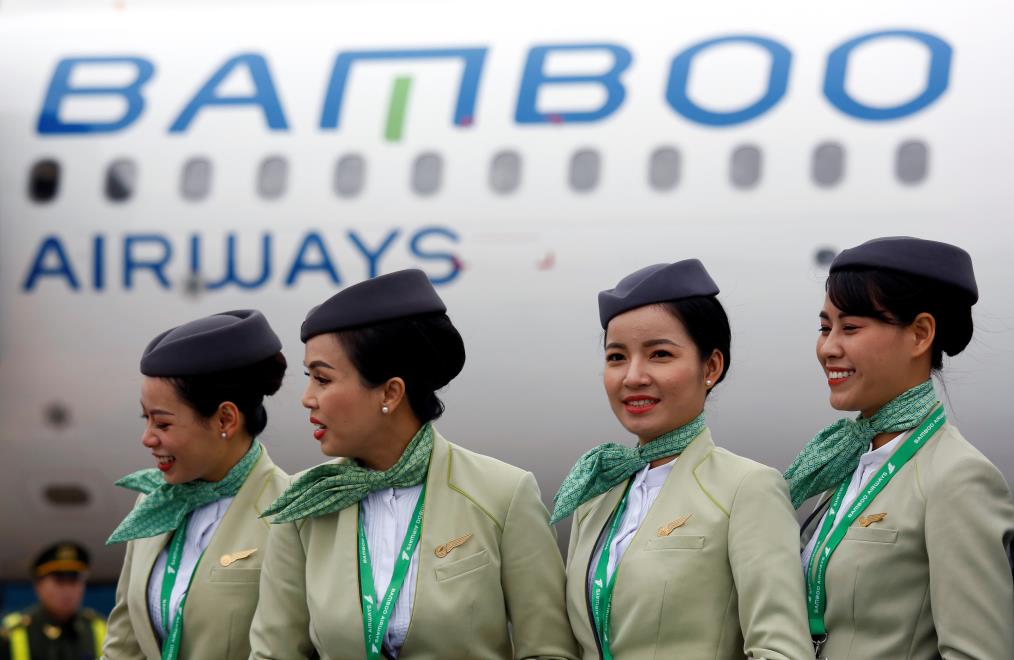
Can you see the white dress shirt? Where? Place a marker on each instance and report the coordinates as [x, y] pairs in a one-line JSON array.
[[645, 488], [387, 515], [869, 464], [200, 528]]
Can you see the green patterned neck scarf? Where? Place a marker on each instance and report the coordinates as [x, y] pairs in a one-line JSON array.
[[609, 464], [833, 454], [333, 486], [166, 506]]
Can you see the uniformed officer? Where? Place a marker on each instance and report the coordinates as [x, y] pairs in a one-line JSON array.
[[409, 546], [907, 554], [678, 549], [57, 628], [188, 586]]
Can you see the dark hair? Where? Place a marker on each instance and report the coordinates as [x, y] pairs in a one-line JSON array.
[[424, 351], [708, 326], [897, 298], [244, 386]]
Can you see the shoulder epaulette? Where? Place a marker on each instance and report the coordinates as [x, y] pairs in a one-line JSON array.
[[16, 620], [90, 614]]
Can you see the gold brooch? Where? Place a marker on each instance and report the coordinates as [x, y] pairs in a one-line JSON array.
[[232, 557], [666, 530], [866, 521], [443, 550], [51, 631]]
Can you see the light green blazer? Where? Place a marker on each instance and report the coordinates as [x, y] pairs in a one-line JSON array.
[[508, 572], [725, 584], [932, 578], [221, 600]]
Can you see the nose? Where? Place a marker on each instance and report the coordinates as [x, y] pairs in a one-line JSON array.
[[829, 347], [149, 439], [309, 400], [637, 375]]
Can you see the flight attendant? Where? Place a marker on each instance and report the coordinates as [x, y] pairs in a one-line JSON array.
[[189, 582], [408, 546], [907, 554], [678, 549]]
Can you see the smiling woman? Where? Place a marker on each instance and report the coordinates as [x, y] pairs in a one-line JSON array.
[[725, 522], [201, 399], [919, 524]]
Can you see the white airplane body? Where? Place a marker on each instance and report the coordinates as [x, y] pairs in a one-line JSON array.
[[525, 156]]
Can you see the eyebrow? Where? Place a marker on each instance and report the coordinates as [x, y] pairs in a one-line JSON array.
[[647, 344], [159, 411], [318, 363]]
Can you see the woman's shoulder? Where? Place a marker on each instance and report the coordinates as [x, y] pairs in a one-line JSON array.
[[949, 459], [465, 464], [725, 476]]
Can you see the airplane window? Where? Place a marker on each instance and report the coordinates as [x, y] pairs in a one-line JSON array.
[[426, 173], [828, 164], [665, 168], [584, 170], [505, 172], [349, 173], [745, 171], [195, 183], [912, 162], [121, 179], [273, 177], [66, 495], [44, 180]]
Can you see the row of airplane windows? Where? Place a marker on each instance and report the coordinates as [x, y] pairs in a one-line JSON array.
[[664, 171]]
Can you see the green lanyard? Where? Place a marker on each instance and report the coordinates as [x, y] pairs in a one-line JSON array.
[[174, 632], [602, 585], [376, 619], [816, 593]]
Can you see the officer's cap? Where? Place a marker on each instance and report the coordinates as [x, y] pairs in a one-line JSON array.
[[401, 294], [214, 343], [933, 260], [656, 284], [64, 557]]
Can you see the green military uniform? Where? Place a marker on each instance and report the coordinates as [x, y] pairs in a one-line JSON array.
[[35, 635], [32, 635]]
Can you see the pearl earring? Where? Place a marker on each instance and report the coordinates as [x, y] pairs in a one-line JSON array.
[[708, 382], [385, 409], [223, 434]]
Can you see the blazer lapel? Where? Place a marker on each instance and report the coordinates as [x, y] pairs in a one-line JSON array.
[[242, 512], [435, 530], [146, 552], [680, 479]]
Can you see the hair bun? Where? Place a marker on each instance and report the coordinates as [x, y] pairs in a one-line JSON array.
[[446, 358]]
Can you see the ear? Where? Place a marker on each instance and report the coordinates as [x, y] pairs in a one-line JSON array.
[[393, 393], [713, 367], [227, 419], [923, 330]]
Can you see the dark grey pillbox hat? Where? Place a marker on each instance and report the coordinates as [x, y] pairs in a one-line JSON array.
[[656, 284], [214, 343], [933, 260], [397, 295]]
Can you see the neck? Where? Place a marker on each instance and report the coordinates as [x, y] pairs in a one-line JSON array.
[[237, 449], [385, 453], [662, 461], [883, 439]]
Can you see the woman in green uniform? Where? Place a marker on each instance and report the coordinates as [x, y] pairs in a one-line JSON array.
[[201, 399], [678, 549], [907, 554], [408, 546]]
